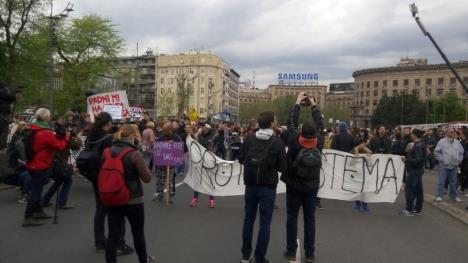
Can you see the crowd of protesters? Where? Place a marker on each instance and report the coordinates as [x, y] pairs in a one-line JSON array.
[[45, 150]]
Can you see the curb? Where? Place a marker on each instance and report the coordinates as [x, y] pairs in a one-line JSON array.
[[455, 212]]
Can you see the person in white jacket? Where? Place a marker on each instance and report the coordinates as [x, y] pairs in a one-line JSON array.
[[449, 154]]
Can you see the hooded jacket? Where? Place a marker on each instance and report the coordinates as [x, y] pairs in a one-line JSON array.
[[276, 157], [290, 177], [45, 144]]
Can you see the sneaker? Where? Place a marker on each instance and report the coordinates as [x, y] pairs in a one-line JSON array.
[[31, 222], [416, 213], [246, 260], [41, 215], [212, 203], [194, 202], [66, 207], [289, 256], [457, 200], [125, 250], [100, 248], [23, 199], [405, 212], [466, 195], [310, 259], [356, 208], [365, 209], [439, 199], [151, 259]]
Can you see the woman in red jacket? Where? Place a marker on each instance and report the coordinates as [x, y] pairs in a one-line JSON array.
[[45, 144]]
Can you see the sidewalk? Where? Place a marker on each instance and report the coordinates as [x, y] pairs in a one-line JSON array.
[[457, 210]]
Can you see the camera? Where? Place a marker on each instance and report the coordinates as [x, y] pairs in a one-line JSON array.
[[306, 102]]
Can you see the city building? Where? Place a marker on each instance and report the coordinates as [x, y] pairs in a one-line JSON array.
[[409, 76], [338, 87], [212, 84], [254, 95], [281, 90], [342, 99], [136, 75]]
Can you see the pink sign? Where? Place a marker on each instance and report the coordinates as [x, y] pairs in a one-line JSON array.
[[168, 153]]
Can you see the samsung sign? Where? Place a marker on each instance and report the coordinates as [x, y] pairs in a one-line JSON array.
[[298, 78]]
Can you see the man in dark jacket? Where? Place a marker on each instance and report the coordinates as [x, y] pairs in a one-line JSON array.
[[430, 141], [302, 191], [343, 141], [415, 162], [263, 156], [380, 143]]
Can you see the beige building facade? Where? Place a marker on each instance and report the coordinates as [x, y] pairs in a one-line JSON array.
[[212, 83], [254, 95], [410, 76], [342, 99]]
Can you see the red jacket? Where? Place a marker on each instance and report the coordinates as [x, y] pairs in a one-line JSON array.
[[45, 144]]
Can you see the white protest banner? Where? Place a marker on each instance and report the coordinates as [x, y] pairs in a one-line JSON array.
[[118, 98], [376, 178], [114, 110]]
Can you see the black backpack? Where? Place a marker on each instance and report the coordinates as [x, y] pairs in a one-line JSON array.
[[88, 161], [259, 164], [28, 141], [308, 163]]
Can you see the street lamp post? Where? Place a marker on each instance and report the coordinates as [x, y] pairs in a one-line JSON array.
[[52, 45], [414, 11]]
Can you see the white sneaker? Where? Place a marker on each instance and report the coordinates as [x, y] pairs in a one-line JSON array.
[[466, 195], [458, 200], [439, 199]]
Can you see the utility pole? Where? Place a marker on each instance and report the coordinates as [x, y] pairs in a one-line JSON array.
[[137, 81], [53, 19], [414, 11]]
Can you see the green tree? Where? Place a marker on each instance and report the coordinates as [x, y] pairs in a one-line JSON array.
[[184, 89], [399, 110], [166, 103], [447, 109], [335, 112], [86, 46]]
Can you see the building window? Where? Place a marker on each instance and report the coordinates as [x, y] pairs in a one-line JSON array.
[[384, 92], [171, 81], [368, 93], [395, 92], [374, 102], [162, 80], [440, 82], [362, 93], [384, 83], [453, 82], [202, 90], [428, 92], [440, 92], [376, 84], [428, 82], [417, 83], [376, 93], [406, 83], [395, 83], [368, 84], [367, 102]]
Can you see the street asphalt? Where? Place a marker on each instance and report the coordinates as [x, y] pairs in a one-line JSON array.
[[179, 233]]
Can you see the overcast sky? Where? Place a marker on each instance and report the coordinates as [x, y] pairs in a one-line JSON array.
[[329, 37]]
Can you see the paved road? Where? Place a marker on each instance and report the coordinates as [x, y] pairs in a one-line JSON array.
[[182, 234]]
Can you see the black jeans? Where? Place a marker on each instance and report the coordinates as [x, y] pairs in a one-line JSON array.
[[38, 180], [294, 200], [414, 190], [100, 222], [115, 218], [263, 199]]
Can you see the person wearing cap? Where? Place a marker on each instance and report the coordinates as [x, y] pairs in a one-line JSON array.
[[302, 191], [343, 141]]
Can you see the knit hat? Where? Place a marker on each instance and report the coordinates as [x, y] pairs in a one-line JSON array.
[[343, 126]]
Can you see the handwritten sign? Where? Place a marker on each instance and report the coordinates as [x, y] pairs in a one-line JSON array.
[[168, 153], [114, 110], [136, 113], [97, 102]]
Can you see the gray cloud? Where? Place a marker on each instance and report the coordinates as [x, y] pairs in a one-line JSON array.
[[331, 37]]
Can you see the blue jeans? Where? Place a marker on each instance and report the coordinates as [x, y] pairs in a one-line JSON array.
[[294, 200], [65, 184], [38, 180], [25, 182], [263, 199], [452, 177]]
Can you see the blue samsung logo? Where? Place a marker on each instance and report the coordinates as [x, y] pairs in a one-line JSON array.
[[298, 76]]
